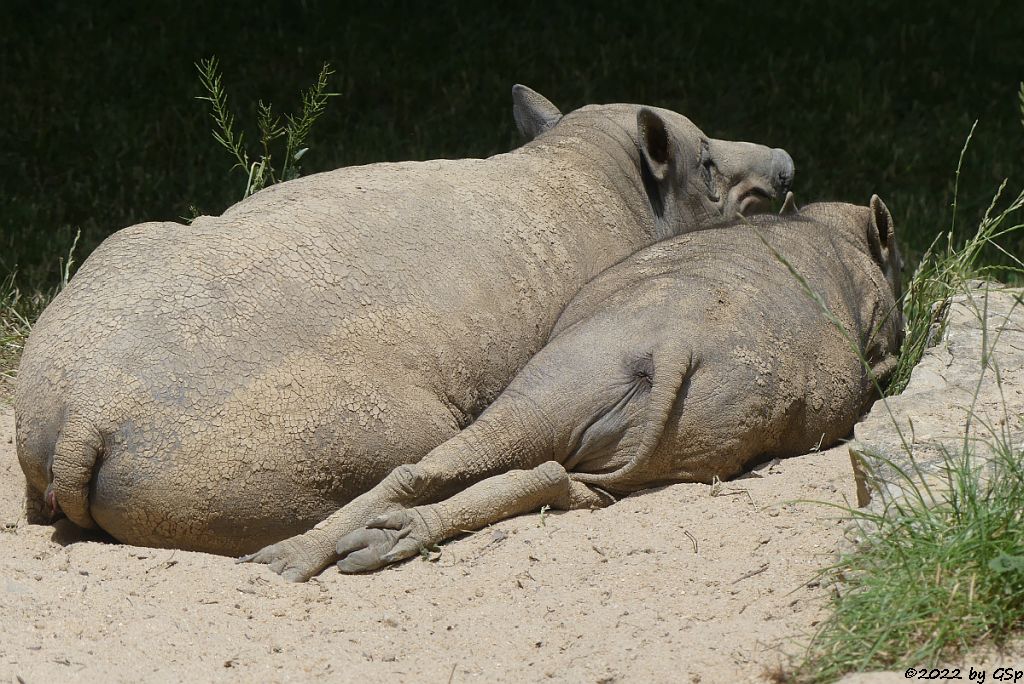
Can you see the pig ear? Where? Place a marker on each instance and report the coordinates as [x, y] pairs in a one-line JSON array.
[[789, 207], [533, 113], [881, 232], [655, 145]]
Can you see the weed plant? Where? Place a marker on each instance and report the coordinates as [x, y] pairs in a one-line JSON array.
[[294, 130]]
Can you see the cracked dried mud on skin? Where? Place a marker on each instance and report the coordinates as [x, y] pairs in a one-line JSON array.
[[227, 385], [675, 375]]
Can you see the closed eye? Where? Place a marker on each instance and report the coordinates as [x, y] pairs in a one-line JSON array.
[[706, 171]]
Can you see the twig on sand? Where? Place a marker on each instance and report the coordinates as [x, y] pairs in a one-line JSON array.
[[692, 539], [750, 574]]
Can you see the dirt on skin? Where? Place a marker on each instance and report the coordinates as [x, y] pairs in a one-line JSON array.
[[674, 584]]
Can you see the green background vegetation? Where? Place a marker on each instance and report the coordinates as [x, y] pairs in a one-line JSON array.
[[101, 128]]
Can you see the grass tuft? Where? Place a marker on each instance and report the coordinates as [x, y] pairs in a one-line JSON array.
[[18, 311], [942, 272], [937, 578], [941, 572]]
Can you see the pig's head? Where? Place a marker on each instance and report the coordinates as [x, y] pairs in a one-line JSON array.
[[873, 230], [691, 181]]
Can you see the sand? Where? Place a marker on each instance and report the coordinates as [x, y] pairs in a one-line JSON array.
[[681, 583]]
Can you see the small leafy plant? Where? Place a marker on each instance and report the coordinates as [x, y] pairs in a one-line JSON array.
[[275, 132]]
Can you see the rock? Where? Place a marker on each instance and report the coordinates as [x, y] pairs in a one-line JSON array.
[[967, 389]]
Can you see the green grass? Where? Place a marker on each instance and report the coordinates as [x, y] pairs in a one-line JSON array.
[[942, 572], [935, 581], [940, 575], [17, 311], [945, 270]]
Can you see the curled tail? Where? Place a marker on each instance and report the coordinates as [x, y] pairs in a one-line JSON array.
[[79, 446], [672, 369]]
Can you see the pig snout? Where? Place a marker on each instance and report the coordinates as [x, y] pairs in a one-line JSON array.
[[783, 171]]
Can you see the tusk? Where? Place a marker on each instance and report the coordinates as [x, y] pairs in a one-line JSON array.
[[789, 206]]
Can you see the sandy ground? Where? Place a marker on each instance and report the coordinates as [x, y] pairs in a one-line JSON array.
[[667, 586]]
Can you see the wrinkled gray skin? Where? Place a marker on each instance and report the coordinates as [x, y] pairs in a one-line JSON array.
[[229, 384], [689, 361]]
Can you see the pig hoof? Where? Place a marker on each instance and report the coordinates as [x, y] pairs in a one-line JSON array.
[[292, 559], [364, 550], [386, 539]]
